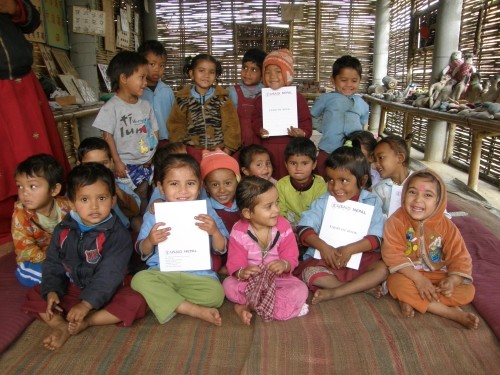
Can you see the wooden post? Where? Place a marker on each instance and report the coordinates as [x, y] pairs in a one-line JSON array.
[[475, 159], [451, 142]]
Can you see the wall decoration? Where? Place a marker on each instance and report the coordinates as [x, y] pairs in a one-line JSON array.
[[50, 64], [88, 21], [104, 75], [55, 24], [123, 40], [65, 64]]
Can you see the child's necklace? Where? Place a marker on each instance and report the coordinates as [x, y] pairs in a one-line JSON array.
[[263, 243]]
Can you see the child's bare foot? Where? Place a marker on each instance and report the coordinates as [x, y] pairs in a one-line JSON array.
[[57, 337], [322, 295], [244, 313], [76, 328], [378, 291], [210, 315], [406, 310], [467, 319]]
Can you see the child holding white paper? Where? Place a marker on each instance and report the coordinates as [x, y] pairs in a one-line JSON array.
[[262, 254], [194, 293], [347, 172], [392, 162], [278, 72]]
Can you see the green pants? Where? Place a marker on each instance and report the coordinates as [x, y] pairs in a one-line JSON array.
[[165, 291]]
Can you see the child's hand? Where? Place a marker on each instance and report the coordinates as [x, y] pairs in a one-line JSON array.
[[152, 206], [157, 234], [448, 284], [279, 266], [426, 289], [79, 312], [264, 133], [120, 169], [296, 132], [345, 256], [245, 273], [52, 304], [207, 224], [331, 256]]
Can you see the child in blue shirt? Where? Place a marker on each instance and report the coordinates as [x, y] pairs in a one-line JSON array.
[[158, 94], [343, 111]]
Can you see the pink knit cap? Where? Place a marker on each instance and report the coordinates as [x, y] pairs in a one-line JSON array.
[[218, 159], [282, 58]]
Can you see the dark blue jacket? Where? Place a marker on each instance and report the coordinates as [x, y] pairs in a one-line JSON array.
[[16, 53], [95, 261]]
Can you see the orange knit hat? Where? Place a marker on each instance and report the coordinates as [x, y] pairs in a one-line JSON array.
[[282, 58], [212, 160]]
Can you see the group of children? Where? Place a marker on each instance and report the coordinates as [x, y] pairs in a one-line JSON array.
[[263, 228]]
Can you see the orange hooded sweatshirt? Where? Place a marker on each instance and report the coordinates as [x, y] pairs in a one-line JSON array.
[[434, 243]]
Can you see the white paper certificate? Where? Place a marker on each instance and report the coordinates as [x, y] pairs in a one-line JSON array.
[[345, 223], [187, 248], [395, 202], [279, 110]]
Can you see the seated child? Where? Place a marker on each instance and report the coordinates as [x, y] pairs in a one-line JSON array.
[[96, 150], [301, 187], [366, 142], [262, 255], [243, 94], [220, 174], [39, 209], [157, 93], [342, 111], [84, 273], [348, 176], [430, 267], [194, 293], [255, 160], [278, 73], [128, 123]]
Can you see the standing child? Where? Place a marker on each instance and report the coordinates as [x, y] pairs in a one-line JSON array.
[[220, 174], [430, 267], [343, 111], [262, 254], [96, 150], [278, 72], [392, 161], [194, 293], [204, 117], [84, 273], [39, 209], [348, 176], [366, 142], [159, 95], [255, 160], [301, 187], [128, 123], [244, 94]]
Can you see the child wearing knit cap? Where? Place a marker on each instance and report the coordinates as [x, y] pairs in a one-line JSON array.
[[278, 72], [221, 173], [342, 111]]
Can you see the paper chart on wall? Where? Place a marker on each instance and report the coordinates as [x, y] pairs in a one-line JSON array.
[[345, 223], [187, 248]]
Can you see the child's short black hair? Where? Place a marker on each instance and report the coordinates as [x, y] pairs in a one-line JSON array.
[[346, 61], [124, 62], [248, 152], [179, 161], [249, 189], [398, 145], [354, 161], [44, 166], [152, 46], [301, 146], [92, 144], [191, 64], [163, 153], [88, 174], [360, 138], [254, 55]]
